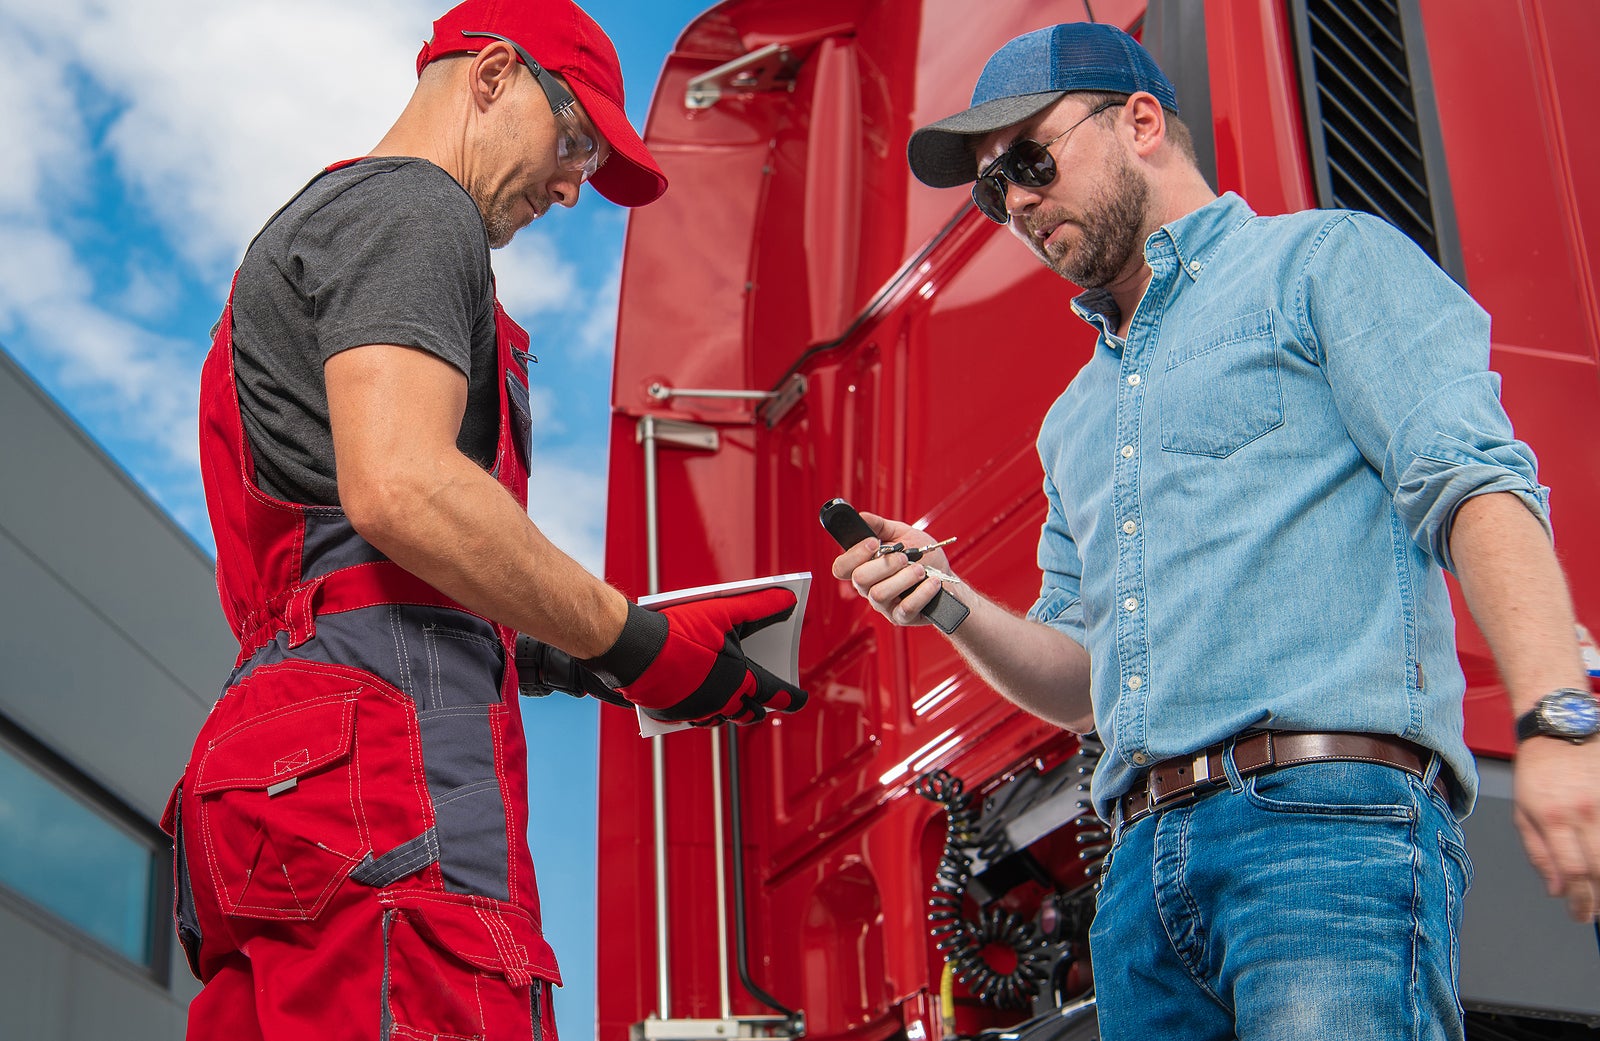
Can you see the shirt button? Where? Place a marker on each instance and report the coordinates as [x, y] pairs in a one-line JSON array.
[[1134, 682], [1133, 381], [1129, 527], [1127, 451], [1194, 265], [1139, 758], [1131, 603]]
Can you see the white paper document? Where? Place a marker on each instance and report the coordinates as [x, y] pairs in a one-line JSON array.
[[775, 648]]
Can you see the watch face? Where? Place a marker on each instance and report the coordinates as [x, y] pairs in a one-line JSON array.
[[1571, 714]]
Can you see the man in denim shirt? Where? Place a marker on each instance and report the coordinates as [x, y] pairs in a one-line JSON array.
[[1285, 433]]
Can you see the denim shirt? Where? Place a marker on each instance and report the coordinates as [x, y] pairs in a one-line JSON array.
[[1250, 499]]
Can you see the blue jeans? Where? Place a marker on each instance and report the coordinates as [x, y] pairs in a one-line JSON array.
[[1315, 902]]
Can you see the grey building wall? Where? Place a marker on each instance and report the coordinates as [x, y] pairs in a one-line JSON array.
[[112, 649]]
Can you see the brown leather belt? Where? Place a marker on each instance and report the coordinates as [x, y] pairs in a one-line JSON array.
[[1173, 782]]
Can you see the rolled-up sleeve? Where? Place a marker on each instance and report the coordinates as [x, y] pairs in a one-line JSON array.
[[1455, 445], [1060, 603], [1406, 355]]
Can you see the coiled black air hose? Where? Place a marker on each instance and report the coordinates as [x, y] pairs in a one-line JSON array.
[[962, 940]]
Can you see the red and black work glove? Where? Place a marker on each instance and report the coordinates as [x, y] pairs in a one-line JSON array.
[[684, 664], [543, 670]]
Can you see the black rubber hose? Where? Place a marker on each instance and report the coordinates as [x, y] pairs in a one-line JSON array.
[[739, 931]]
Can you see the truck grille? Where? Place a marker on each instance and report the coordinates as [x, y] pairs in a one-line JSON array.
[[1374, 142]]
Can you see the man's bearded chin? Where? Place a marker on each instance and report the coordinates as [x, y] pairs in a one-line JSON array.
[[1110, 232]]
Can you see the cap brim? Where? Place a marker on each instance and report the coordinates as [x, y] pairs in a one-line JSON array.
[[941, 153], [630, 176]]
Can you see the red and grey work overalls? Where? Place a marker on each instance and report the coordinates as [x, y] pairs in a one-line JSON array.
[[351, 859]]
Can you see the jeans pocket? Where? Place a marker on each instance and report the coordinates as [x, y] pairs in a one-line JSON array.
[[1343, 789], [276, 791], [459, 966], [1458, 874]]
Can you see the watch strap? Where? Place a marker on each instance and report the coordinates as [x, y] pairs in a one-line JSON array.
[[1528, 724], [1531, 723]]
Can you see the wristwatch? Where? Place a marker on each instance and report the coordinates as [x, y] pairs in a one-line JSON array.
[[1567, 713]]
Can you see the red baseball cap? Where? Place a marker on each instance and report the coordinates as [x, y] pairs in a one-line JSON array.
[[562, 38]]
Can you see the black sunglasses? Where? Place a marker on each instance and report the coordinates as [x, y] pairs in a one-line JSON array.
[[1026, 163]]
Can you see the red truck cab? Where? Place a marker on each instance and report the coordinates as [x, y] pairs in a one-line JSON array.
[[800, 319]]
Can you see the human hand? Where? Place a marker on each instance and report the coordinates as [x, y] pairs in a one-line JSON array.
[[684, 663], [1557, 795], [896, 587], [543, 669]]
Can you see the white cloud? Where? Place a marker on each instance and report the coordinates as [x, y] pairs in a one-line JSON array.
[[532, 279], [37, 268], [149, 289], [597, 335], [567, 500], [43, 131], [139, 381], [230, 108], [546, 411]]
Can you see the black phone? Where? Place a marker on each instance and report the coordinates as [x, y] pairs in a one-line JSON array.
[[847, 528]]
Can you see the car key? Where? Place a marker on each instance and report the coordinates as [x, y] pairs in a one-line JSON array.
[[847, 528]]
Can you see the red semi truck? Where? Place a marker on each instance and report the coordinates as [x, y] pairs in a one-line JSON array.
[[801, 320]]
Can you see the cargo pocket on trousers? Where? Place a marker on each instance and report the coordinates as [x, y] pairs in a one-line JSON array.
[[458, 967], [277, 806], [185, 919]]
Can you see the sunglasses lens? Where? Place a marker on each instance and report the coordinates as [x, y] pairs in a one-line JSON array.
[[1029, 164], [989, 195]]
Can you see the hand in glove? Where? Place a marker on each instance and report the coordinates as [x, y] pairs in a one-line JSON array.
[[684, 663], [543, 669]]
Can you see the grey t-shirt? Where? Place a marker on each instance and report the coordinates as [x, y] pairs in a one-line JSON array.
[[384, 251]]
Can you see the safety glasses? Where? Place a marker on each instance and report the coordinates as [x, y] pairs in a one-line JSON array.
[[1026, 163], [577, 146]]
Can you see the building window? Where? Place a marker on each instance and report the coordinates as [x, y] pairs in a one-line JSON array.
[[64, 850]]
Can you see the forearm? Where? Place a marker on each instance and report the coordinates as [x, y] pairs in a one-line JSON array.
[[1516, 592], [452, 525], [1515, 589], [1035, 667]]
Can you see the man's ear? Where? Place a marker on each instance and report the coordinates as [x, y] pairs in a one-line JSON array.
[[491, 73], [1149, 121]]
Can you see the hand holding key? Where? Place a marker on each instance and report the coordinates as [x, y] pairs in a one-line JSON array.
[[897, 568]]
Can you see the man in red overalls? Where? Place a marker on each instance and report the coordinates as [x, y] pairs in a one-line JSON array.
[[351, 860]]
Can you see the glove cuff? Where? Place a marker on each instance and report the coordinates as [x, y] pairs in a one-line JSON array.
[[642, 637]]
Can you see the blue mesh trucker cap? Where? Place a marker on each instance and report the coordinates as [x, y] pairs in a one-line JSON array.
[[1025, 77]]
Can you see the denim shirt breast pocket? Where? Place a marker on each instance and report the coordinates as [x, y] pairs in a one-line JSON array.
[[1221, 389]]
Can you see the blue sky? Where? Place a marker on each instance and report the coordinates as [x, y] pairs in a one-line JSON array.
[[147, 142]]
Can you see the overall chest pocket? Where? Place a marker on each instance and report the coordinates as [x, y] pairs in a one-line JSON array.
[[1221, 389], [521, 419]]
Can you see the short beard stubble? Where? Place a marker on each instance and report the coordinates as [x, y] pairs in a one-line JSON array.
[[1109, 231]]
